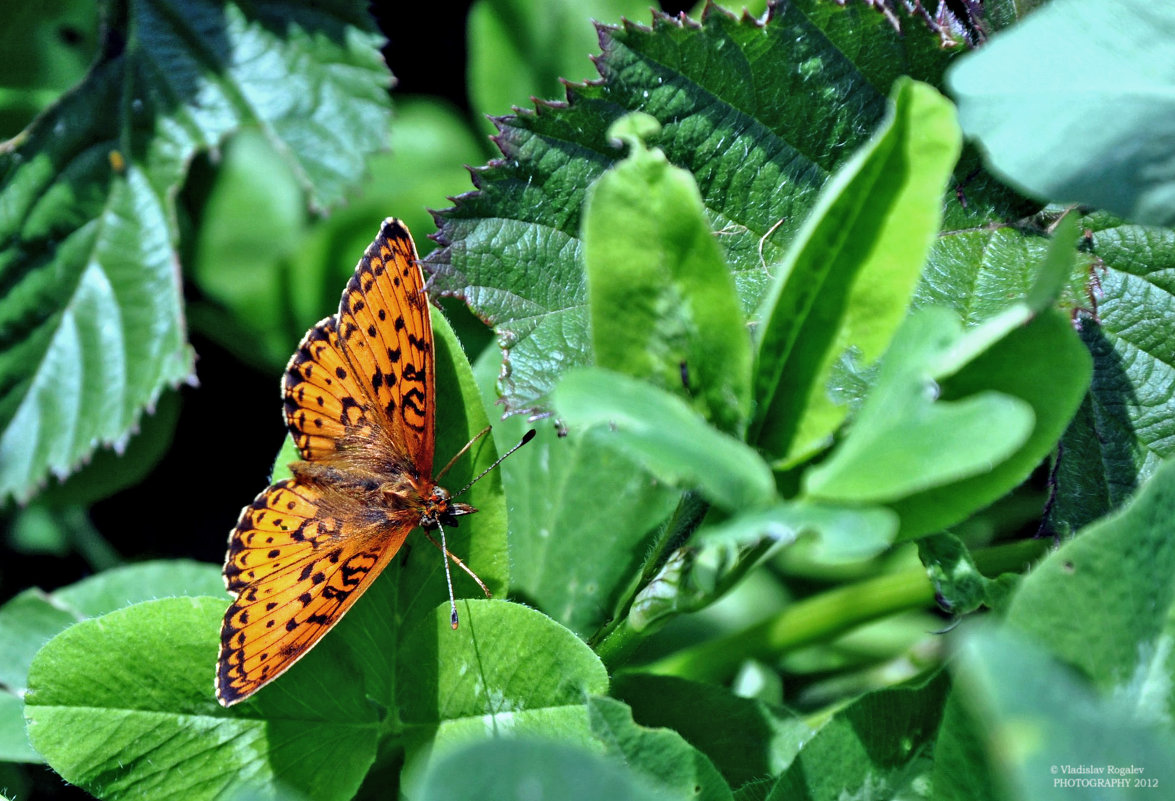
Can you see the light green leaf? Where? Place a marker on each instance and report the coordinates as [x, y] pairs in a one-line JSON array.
[[1088, 60], [849, 274], [122, 705], [667, 437], [905, 440], [662, 303]]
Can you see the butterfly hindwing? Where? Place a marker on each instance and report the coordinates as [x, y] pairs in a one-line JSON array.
[[294, 572]]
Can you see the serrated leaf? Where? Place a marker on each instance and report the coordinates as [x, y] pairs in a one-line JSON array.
[[760, 113], [666, 437], [1117, 60], [91, 324], [122, 705], [1126, 425]]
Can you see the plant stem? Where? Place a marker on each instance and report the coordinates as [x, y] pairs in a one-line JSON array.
[[826, 615]]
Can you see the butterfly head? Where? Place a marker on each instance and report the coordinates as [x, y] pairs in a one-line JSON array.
[[439, 510]]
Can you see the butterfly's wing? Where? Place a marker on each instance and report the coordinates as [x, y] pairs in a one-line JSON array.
[[385, 332], [366, 374], [294, 571]]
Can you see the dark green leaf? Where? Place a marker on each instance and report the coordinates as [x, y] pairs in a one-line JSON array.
[[880, 745], [660, 755], [1126, 425], [91, 324], [754, 740], [759, 113]]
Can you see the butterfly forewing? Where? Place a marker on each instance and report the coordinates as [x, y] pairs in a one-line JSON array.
[[386, 332], [359, 405]]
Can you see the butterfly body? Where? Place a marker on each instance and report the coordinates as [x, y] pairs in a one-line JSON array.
[[360, 406]]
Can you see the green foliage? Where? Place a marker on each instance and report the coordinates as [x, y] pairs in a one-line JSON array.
[[811, 368]]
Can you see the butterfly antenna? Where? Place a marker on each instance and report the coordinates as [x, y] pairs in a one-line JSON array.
[[461, 452], [448, 575], [527, 437]]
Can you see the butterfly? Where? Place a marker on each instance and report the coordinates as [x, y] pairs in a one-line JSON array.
[[360, 403]]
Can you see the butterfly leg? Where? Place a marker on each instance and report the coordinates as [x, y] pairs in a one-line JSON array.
[[461, 565]]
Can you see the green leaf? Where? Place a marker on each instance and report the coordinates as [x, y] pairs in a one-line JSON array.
[[1116, 60], [574, 566], [91, 313], [268, 275], [50, 46], [14, 742], [506, 671], [959, 587], [1118, 578], [660, 755], [122, 705], [905, 440], [718, 556], [519, 770], [1126, 425], [848, 277], [653, 263], [666, 437], [1053, 388], [760, 113], [33, 617], [878, 746], [530, 661], [754, 741], [1047, 732], [519, 49]]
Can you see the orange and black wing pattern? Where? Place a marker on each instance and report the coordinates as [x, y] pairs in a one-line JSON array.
[[359, 404], [294, 572]]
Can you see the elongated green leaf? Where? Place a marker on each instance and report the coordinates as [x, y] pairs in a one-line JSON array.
[[91, 327], [1110, 62], [122, 705], [662, 304], [666, 437], [850, 272], [761, 113], [904, 440]]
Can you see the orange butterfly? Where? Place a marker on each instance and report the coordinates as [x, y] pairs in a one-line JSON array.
[[359, 402]]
